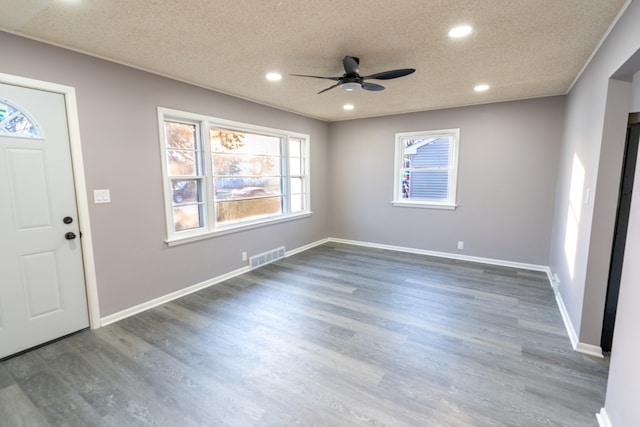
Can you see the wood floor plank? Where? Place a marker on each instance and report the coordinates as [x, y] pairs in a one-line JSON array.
[[16, 409], [337, 335]]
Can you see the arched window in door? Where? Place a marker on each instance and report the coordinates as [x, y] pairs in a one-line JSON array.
[[15, 122]]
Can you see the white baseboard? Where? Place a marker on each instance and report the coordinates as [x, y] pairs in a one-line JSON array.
[[104, 321], [580, 347], [573, 336], [481, 260], [307, 247], [589, 349], [603, 418]]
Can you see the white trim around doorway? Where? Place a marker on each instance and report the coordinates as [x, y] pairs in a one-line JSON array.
[[82, 200]]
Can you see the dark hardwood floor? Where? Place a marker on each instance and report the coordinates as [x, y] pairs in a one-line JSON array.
[[335, 336]]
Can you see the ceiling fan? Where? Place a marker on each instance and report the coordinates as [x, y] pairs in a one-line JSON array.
[[351, 80]]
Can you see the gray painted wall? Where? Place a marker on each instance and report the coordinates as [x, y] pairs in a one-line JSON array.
[[594, 134], [119, 130], [595, 124], [506, 181], [635, 101]]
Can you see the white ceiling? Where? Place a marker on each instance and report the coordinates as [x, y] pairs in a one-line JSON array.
[[522, 48]]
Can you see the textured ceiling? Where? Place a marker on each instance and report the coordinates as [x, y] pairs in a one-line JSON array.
[[522, 48]]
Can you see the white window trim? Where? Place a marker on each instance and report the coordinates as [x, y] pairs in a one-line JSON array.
[[204, 123], [451, 203]]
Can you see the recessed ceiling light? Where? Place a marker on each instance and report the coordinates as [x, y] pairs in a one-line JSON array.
[[461, 31], [481, 88], [274, 77], [347, 107]]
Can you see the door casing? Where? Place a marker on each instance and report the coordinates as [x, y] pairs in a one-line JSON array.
[[82, 200]]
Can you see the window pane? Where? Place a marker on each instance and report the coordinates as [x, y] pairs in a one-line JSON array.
[[295, 148], [226, 187], [295, 166], [241, 208], [247, 170], [273, 185], [186, 217], [296, 185], [21, 125], [245, 164], [252, 193], [297, 202], [15, 122], [430, 185], [180, 135], [182, 163], [225, 141], [427, 153], [185, 191]]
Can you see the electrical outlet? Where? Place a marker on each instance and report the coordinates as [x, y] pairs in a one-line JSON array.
[[460, 244], [244, 256]]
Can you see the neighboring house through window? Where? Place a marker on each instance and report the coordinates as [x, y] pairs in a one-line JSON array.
[[222, 176], [426, 169]]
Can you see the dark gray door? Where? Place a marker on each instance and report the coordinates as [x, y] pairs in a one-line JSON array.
[[620, 235]]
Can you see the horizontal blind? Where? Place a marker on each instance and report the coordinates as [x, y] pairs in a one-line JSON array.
[[430, 171], [432, 155]]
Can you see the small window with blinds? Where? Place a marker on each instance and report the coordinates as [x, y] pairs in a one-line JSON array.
[[426, 168]]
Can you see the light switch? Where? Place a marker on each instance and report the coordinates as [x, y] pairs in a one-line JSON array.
[[101, 196]]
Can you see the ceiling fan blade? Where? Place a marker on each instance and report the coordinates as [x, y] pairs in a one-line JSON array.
[[372, 86], [351, 64], [317, 77], [330, 87], [393, 74]]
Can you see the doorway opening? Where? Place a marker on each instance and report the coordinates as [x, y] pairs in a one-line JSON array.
[[620, 230]]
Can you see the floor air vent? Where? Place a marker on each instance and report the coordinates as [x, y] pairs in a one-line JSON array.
[[266, 257]]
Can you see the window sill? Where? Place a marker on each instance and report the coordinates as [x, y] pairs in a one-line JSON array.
[[181, 240], [425, 205]]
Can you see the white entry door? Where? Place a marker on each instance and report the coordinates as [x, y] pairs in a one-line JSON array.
[[42, 288]]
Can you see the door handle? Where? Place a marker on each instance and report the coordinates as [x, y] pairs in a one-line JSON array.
[[70, 236]]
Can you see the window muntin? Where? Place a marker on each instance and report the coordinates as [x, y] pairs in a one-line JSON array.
[[426, 168], [222, 176], [15, 122]]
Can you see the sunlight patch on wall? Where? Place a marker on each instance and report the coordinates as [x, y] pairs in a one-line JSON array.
[[572, 227]]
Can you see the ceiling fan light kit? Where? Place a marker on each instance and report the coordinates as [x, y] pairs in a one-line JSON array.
[[351, 80], [349, 86]]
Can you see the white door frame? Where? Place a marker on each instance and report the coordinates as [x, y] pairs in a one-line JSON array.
[[73, 123]]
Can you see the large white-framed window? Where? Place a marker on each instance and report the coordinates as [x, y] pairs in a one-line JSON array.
[[426, 168], [222, 176]]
